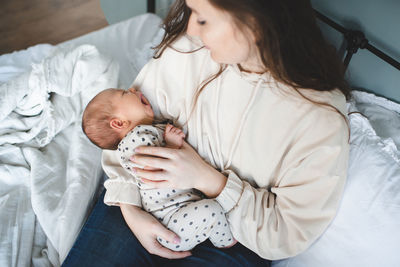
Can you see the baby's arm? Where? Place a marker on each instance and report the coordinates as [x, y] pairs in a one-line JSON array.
[[173, 136]]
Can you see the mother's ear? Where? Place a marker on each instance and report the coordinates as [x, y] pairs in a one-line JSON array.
[[118, 124]]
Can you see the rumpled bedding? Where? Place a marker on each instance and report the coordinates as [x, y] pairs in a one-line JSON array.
[[44, 189]]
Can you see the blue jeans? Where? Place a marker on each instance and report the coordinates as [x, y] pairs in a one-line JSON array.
[[106, 240]]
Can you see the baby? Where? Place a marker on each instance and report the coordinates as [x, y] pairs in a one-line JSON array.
[[122, 120]]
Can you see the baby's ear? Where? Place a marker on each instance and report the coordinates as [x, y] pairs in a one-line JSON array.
[[118, 124]]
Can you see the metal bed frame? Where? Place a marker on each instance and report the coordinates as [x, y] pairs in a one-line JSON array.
[[356, 40]]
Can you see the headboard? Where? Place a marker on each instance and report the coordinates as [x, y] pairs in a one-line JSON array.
[[355, 40]]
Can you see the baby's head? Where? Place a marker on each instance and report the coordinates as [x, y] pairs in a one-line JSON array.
[[112, 113]]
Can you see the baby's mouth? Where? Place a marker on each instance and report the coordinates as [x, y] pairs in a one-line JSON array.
[[144, 100]]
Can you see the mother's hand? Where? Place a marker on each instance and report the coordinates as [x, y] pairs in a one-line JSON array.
[[178, 168], [146, 229]]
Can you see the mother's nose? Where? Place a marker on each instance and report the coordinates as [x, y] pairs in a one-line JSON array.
[[193, 27]]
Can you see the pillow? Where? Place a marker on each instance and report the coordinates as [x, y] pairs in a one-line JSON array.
[[366, 229], [383, 114]]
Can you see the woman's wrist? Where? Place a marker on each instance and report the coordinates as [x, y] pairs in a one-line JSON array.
[[213, 183], [129, 212]]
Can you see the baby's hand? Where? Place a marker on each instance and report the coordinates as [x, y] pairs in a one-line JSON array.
[[173, 136]]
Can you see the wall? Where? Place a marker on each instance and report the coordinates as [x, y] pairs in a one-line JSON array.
[[380, 22], [118, 10]]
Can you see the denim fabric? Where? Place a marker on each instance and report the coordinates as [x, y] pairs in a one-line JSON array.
[[106, 240]]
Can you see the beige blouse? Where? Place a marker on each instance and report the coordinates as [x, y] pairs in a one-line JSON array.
[[285, 158]]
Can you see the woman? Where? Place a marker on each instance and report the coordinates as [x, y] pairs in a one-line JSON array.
[[262, 98]]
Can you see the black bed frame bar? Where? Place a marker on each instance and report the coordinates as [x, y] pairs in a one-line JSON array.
[[355, 39], [151, 6]]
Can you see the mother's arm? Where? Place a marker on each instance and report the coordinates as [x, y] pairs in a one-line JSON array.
[[276, 222], [122, 191], [120, 187]]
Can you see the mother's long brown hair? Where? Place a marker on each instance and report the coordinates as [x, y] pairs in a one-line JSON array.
[[289, 41]]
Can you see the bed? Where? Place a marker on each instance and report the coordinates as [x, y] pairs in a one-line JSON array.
[[48, 183]]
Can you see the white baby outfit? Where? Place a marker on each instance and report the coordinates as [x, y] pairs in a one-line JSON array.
[[184, 212]]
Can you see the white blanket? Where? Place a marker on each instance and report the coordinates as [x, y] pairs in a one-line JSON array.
[[42, 186]]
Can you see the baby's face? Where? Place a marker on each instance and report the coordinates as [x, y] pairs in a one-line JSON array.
[[132, 105]]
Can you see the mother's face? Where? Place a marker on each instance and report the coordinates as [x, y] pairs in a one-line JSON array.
[[219, 34]]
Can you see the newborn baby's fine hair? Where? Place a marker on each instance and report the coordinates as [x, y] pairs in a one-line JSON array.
[[96, 123]]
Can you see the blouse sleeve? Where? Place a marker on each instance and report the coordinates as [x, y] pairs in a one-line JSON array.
[[122, 185], [294, 211]]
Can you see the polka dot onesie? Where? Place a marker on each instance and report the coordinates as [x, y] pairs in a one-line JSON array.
[[184, 212]]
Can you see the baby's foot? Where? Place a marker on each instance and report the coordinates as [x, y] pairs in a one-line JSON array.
[[232, 244], [173, 136]]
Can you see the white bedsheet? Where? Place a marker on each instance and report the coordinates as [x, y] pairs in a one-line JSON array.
[[49, 171], [37, 171]]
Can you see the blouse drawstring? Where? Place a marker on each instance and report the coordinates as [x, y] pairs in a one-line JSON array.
[[240, 127], [221, 162]]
